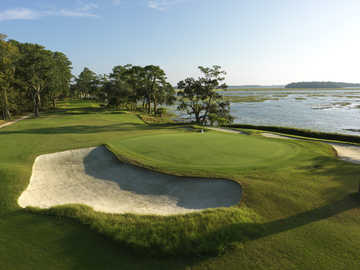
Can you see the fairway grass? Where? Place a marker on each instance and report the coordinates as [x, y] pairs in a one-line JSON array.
[[298, 211]]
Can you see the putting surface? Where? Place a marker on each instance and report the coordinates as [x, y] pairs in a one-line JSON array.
[[346, 152], [210, 151], [94, 177]]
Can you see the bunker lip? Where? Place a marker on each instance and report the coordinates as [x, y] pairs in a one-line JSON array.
[[345, 152], [95, 177], [227, 130]]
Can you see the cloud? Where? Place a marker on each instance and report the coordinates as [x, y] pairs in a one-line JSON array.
[[163, 4], [19, 14], [116, 2], [88, 6], [71, 13], [30, 14]]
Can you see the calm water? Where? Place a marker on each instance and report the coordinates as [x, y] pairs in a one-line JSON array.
[[336, 111]]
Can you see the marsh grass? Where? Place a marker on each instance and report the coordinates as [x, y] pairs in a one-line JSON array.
[[238, 99]]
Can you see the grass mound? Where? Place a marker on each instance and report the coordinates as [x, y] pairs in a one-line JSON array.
[[205, 233]]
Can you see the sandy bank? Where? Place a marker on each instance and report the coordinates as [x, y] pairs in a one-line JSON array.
[[94, 177], [226, 130]]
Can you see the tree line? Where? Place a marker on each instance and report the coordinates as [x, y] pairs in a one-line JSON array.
[[321, 85], [134, 87], [126, 87], [32, 78]]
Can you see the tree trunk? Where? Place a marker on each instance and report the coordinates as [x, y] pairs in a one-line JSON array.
[[37, 101], [54, 102], [149, 105], [155, 105], [197, 117], [5, 106], [207, 111]]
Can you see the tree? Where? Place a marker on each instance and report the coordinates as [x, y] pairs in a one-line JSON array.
[[87, 83], [34, 70], [8, 55], [165, 94], [118, 89], [59, 77], [129, 84], [157, 89], [199, 99], [135, 76]]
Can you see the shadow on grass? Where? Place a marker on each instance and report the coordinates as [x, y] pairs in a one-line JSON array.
[[87, 129], [82, 129], [244, 232], [342, 171], [204, 245], [78, 110], [84, 110], [29, 235]]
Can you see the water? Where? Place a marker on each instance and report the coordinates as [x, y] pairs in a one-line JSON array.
[[335, 111]]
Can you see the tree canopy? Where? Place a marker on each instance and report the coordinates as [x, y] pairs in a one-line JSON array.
[[30, 77], [33, 78], [127, 85], [199, 99]]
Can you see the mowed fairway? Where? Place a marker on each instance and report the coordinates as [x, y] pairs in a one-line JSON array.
[[307, 216]]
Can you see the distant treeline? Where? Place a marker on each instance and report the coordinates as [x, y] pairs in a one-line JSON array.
[[321, 85], [245, 86]]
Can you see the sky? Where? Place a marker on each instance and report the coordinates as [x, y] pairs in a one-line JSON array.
[[266, 42]]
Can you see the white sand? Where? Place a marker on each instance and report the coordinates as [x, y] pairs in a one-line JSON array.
[[94, 177], [346, 152], [226, 130], [13, 122], [270, 135]]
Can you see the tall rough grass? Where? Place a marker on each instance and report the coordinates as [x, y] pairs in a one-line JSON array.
[[203, 233]]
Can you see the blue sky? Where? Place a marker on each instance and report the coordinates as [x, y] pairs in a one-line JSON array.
[[255, 41]]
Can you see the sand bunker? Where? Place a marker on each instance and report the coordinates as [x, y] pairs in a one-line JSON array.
[[346, 152], [226, 130], [95, 177]]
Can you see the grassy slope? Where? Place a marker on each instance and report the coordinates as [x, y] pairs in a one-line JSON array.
[[309, 219]]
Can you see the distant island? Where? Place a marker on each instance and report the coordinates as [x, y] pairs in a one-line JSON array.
[[254, 86], [321, 85]]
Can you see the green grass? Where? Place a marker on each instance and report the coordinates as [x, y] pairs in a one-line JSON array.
[[211, 152], [298, 211]]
